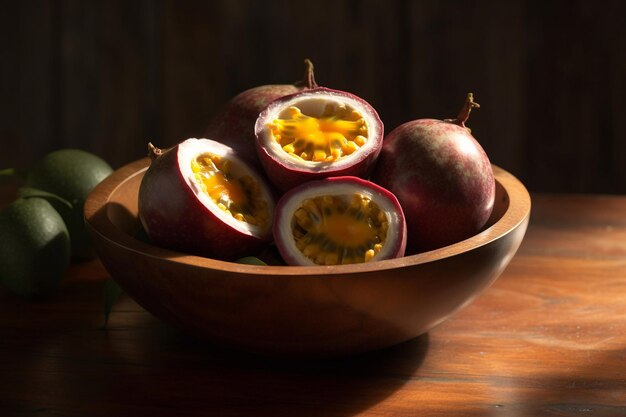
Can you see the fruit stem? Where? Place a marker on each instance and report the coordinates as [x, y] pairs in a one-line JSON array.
[[28, 192], [309, 76], [465, 111], [153, 151]]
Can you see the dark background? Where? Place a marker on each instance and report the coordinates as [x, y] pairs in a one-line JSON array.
[[107, 76]]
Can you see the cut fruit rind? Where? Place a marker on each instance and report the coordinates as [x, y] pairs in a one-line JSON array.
[[200, 198], [340, 220], [226, 184], [234, 124], [315, 134], [238, 196], [340, 229]]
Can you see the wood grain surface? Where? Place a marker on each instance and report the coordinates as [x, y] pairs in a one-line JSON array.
[[547, 339], [109, 76]]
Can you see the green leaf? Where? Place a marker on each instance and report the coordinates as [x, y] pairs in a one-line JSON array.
[[250, 260], [112, 293], [8, 172], [28, 192], [11, 174]]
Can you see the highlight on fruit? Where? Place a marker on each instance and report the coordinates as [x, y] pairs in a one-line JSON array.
[[338, 132], [339, 221]]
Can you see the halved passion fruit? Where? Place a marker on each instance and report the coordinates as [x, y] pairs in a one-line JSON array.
[[234, 124], [339, 220], [199, 197], [317, 133]]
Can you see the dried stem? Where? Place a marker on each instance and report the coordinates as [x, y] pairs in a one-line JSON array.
[[153, 151], [309, 76], [465, 111]]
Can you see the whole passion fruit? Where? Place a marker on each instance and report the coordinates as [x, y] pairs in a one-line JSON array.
[[339, 220], [199, 197], [234, 124], [442, 178], [317, 133]]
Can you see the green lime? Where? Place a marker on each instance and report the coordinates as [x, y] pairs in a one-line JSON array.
[[71, 174], [34, 248]]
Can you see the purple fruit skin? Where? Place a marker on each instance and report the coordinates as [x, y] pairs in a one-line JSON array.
[[286, 250], [442, 178], [285, 178], [174, 218], [234, 124]]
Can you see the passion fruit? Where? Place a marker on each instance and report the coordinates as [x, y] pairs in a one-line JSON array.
[[339, 220], [234, 124], [199, 197], [315, 134], [442, 178]]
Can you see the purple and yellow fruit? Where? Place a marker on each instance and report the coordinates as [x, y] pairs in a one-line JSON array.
[[337, 221], [234, 124], [199, 197], [315, 134]]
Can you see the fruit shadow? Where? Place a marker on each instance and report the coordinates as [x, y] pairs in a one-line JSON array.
[[128, 222], [140, 366], [202, 377]]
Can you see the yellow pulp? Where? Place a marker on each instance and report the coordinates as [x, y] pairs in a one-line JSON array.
[[238, 196], [333, 230], [338, 132], [346, 231]]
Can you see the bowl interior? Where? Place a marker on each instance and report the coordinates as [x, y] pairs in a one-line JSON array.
[[114, 213]]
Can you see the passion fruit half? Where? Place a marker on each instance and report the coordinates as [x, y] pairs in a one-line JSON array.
[[339, 220], [234, 124], [199, 197], [315, 134]]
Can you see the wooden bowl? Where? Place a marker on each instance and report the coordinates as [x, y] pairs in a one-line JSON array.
[[303, 311]]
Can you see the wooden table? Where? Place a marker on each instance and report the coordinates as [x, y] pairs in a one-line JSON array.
[[547, 339]]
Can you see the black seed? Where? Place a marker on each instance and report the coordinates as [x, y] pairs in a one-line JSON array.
[[314, 217], [329, 246]]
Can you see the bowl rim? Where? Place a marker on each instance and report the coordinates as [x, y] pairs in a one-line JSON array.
[[98, 222]]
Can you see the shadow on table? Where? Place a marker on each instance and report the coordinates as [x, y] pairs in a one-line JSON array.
[[189, 377], [596, 388]]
